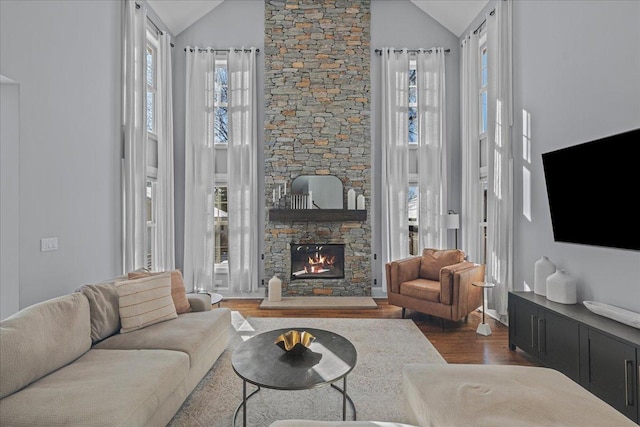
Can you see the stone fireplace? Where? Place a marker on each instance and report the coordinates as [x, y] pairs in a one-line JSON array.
[[317, 122]]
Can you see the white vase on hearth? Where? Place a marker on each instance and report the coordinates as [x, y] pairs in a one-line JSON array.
[[275, 289], [542, 269]]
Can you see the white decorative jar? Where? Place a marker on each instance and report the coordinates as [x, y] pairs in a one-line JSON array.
[[275, 289], [561, 288], [542, 269]]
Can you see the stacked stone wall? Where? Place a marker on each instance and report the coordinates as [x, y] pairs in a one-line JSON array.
[[317, 122]]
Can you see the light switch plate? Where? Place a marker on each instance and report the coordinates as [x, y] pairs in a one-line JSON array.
[[49, 244]]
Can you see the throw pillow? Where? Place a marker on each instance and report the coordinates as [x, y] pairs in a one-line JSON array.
[[433, 260], [178, 291], [103, 307], [145, 301]]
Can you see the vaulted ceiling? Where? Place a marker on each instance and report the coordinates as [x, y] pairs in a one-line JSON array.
[[455, 15]]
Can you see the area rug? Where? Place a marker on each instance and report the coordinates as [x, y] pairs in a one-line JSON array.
[[384, 346], [319, 302]]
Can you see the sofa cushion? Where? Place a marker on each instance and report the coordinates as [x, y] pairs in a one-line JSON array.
[[424, 289], [190, 333], [29, 337], [433, 260], [178, 291], [101, 388], [103, 307], [145, 301]]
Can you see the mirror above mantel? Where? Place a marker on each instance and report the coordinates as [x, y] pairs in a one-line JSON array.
[[327, 190], [327, 195]]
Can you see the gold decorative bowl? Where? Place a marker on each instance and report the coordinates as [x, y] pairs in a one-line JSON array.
[[295, 342]]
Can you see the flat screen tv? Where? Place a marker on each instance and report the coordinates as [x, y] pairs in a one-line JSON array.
[[594, 191]]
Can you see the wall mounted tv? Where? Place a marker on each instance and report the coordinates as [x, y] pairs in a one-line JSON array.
[[594, 190]]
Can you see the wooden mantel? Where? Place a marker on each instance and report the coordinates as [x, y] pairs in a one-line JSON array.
[[317, 215]]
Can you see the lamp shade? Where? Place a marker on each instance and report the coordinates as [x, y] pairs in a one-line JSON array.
[[452, 221]]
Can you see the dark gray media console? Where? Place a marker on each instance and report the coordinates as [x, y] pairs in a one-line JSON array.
[[598, 353]]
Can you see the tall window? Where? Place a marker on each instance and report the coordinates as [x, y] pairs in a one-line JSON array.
[[152, 143], [484, 126], [221, 138], [413, 194]]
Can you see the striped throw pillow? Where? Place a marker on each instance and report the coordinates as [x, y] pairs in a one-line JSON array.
[[178, 291], [145, 301]]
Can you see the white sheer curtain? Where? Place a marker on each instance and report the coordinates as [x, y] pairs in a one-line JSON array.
[[432, 148], [164, 249], [134, 136], [500, 165], [243, 172], [470, 212], [199, 171], [395, 155]]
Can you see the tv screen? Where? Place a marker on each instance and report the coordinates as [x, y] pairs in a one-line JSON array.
[[594, 190]]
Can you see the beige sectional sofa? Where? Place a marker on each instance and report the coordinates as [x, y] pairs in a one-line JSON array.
[[65, 362]]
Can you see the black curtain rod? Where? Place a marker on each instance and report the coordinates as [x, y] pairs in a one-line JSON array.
[[379, 51], [158, 30], [493, 12], [210, 49]]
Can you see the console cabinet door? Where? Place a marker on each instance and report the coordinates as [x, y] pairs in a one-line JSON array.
[[524, 331], [612, 372], [559, 343]]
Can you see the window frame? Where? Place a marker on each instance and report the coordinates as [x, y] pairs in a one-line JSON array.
[[221, 61], [153, 44], [221, 179]]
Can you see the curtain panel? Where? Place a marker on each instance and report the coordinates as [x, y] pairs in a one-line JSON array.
[[470, 216], [395, 155], [134, 136], [199, 250], [432, 148], [243, 172], [500, 162], [164, 249]]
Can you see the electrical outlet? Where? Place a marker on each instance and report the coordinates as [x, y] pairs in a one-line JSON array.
[[49, 244]]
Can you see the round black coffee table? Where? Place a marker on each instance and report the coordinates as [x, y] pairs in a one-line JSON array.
[[261, 362]]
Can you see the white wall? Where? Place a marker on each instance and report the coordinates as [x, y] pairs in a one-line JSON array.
[[577, 66], [577, 75], [66, 57]]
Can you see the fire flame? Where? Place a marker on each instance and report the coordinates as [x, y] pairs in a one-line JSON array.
[[318, 263]]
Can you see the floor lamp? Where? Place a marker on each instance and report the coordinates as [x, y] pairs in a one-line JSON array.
[[452, 222]]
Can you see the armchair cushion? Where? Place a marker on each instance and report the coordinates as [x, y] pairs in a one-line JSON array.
[[423, 289], [433, 260]]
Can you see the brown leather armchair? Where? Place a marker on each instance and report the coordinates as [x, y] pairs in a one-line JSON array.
[[437, 283]]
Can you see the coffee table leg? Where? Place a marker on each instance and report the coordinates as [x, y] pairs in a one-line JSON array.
[[244, 403], [344, 399]]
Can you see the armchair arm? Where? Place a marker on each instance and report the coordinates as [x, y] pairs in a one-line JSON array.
[[402, 271], [467, 297], [446, 280], [199, 302]]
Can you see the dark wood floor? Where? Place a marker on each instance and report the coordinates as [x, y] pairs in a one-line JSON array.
[[459, 343]]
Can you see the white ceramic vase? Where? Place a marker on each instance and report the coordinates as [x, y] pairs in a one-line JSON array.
[[275, 289], [542, 269], [561, 288]]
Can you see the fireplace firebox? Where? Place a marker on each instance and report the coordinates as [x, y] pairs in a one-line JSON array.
[[317, 261]]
